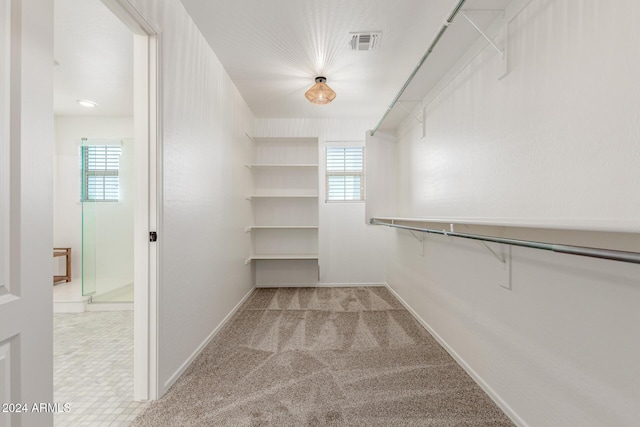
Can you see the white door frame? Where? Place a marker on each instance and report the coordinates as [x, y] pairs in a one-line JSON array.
[[148, 196]]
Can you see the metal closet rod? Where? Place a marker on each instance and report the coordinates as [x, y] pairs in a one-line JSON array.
[[435, 41], [623, 256]]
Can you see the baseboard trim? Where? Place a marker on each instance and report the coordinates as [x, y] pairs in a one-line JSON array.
[[173, 378], [70, 306], [473, 374], [112, 293], [110, 306], [320, 285]]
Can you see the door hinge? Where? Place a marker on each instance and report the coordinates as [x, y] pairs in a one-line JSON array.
[[153, 236]]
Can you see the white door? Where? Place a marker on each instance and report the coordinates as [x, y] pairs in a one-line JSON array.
[[26, 263]]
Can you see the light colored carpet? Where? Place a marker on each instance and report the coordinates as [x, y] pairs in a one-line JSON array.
[[326, 357]]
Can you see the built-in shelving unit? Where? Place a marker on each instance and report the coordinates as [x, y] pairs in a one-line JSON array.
[[284, 202]]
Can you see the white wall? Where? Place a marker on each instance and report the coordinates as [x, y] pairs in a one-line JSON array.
[[114, 221], [350, 252], [558, 349], [554, 143], [202, 240], [381, 183]]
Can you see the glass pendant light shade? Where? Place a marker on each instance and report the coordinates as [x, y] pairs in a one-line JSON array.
[[320, 93]]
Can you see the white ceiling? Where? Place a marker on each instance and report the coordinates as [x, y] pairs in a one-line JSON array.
[[95, 55], [273, 50]]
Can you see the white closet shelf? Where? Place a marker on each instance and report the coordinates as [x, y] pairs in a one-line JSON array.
[[282, 165], [281, 227], [283, 257], [281, 196], [281, 140]]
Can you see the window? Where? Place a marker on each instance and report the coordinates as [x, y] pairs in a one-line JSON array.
[[100, 167], [345, 174]]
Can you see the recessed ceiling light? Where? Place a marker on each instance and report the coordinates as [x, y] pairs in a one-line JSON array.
[[85, 103]]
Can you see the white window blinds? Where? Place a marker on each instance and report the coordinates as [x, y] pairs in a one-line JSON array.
[[100, 168], [345, 174]]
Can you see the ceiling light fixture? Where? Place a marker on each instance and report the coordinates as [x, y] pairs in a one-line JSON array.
[[85, 103], [320, 93]]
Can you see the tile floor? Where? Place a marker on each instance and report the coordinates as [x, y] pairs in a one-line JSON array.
[[93, 369]]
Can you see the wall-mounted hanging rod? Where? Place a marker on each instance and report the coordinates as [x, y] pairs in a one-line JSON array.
[[435, 41], [623, 256]]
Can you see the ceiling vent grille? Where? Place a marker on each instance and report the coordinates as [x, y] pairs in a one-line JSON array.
[[365, 41]]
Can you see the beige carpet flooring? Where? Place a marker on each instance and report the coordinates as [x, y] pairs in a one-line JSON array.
[[325, 357]]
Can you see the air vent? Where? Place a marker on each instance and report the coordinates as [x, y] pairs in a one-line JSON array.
[[365, 41]]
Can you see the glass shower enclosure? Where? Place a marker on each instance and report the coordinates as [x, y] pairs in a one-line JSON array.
[[106, 167]]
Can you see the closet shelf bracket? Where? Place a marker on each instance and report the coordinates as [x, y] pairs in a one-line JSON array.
[[411, 113], [483, 34], [499, 257], [250, 137], [419, 239], [504, 32]]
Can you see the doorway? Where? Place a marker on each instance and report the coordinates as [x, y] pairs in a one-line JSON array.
[[143, 143]]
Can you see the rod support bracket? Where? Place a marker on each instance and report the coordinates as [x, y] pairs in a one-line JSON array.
[[497, 256], [419, 239], [483, 34], [504, 30], [413, 116]]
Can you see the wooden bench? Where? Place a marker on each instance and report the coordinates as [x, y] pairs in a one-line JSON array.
[[65, 252]]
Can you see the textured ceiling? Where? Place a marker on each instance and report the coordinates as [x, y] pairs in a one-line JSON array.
[[94, 51]]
